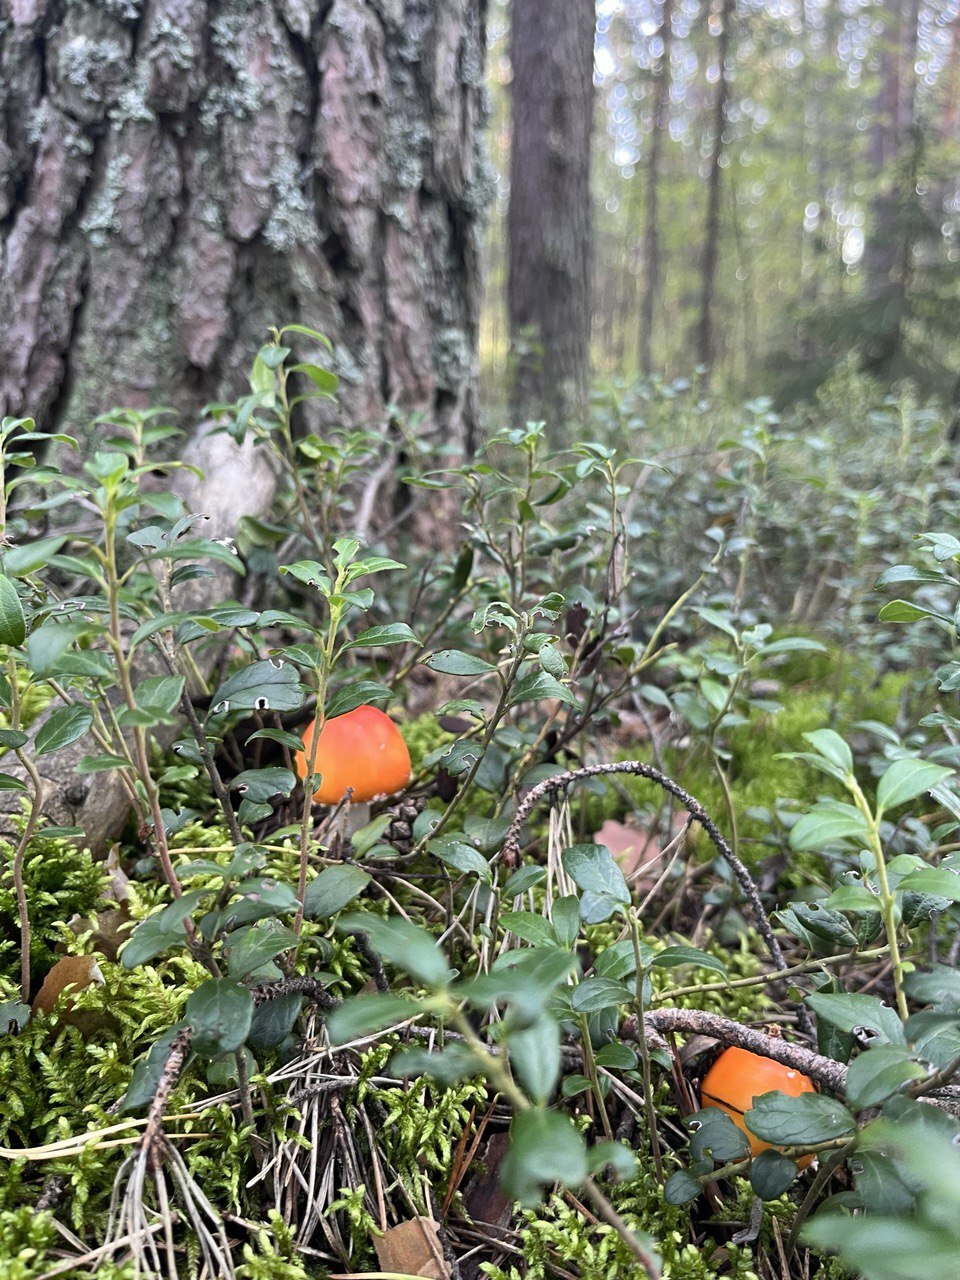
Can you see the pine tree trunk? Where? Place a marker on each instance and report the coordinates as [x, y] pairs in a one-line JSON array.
[[889, 243], [176, 175], [548, 293], [652, 274], [711, 236]]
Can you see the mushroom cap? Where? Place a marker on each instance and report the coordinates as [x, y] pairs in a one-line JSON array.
[[738, 1077], [362, 750]]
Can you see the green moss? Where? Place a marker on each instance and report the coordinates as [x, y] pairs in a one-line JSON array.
[[61, 881], [423, 735], [558, 1234]]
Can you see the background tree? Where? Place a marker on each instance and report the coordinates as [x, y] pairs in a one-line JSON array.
[[175, 176], [548, 289]]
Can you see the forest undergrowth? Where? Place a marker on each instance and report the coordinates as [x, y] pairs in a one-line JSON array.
[[677, 781]]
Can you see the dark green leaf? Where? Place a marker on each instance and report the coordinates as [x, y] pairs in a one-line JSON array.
[[403, 944], [545, 1147], [268, 685], [801, 1121], [333, 888], [771, 1173], [62, 727], [454, 662], [220, 1012], [13, 627], [364, 1015]]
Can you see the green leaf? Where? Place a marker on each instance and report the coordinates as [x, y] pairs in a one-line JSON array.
[[681, 1187], [522, 879], [847, 1010], [454, 662], [364, 1015], [535, 1057], [881, 1071], [907, 573], [61, 728], [826, 825], [832, 747], [594, 994], [13, 1016], [538, 686], [771, 1173], [935, 881], [801, 1121], [403, 944], [714, 1136], [672, 957], [530, 927], [378, 637], [13, 627], [545, 1147], [273, 1021], [333, 888], [13, 738], [893, 1248], [904, 611], [906, 779], [256, 945], [360, 693], [593, 869], [455, 1061], [462, 857], [261, 785], [617, 1057], [220, 1012], [268, 685]]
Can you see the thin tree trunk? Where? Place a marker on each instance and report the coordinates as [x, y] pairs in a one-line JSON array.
[[549, 216], [711, 236], [179, 175], [652, 275], [889, 247]]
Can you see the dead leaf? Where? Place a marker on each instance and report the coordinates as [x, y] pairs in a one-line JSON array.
[[76, 972], [413, 1248], [485, 1199]]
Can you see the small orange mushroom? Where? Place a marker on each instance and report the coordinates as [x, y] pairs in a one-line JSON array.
[[361, 752], [738, 1077]]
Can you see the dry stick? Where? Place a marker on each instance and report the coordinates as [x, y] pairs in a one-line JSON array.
[[659, 1022], [153, 1133], [511, 844]]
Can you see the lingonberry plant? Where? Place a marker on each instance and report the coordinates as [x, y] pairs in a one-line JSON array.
[[632, 806]]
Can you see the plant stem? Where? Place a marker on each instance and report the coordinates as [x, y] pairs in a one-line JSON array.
[[888, 900], [649, 1105]]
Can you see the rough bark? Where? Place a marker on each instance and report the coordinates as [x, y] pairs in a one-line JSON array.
[[651, 234], [548, 290], [176, 175], [711, 234]]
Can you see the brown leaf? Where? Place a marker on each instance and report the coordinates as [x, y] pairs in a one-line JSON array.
[[413, 1248], [76, 972]]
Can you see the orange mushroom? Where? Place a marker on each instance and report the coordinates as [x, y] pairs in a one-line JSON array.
[[361, 753], [738, 1077]]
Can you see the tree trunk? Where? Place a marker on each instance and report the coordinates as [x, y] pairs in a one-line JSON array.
[[651, 234], [176, 175], [548, 292], [711, 235], [889, 244]]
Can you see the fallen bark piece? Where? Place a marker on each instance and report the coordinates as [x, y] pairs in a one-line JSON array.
[[413, 1249]]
